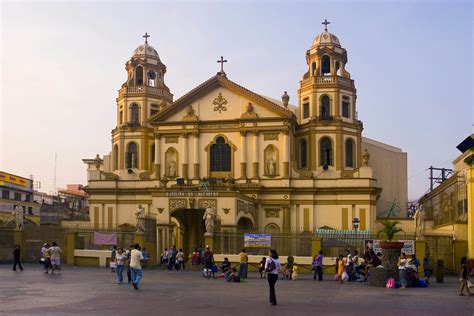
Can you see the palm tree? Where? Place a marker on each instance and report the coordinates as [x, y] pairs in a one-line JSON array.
[[389, 229]]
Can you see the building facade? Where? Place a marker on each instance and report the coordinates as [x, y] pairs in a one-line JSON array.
[[262, 164], [15, 189]]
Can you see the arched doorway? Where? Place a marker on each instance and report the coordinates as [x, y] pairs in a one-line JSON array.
[[188, 229], [244, 225]]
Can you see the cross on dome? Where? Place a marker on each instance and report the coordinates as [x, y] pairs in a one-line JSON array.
[[326, 22], [146, 36]]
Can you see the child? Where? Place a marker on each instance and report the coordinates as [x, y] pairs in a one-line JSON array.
[[261, 268]]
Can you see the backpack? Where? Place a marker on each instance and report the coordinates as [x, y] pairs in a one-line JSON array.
[[390, 283], [271, 266]]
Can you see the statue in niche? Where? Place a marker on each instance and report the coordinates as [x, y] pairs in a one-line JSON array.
[[365, 158], [172, 168], [271, 166], [209, 218], [17, 216], [140, 217]]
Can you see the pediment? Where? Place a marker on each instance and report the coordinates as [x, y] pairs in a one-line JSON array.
[[219, 99]]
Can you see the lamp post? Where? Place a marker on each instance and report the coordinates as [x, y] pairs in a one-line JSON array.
[[355, 223]]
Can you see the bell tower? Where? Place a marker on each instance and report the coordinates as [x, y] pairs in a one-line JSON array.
[[143, 95], [330, 133]]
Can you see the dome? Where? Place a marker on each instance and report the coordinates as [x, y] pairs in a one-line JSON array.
[[146, 50], [326, 38]]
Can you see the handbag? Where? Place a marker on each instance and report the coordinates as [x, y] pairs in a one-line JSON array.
[[113, 265], [345, 276]]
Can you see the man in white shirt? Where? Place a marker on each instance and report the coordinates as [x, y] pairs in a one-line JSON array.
[[136, 257]]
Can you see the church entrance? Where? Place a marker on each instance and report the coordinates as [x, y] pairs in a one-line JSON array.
[[188, 229]]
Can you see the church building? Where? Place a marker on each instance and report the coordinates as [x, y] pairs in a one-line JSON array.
[[263, 165]]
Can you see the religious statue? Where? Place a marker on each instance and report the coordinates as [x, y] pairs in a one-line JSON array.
[[189, 111], [419, 224], [285, 98], [249, 108], [172, 168], [271, 166], [97, 161], [365, 158], [17, 215], [209, 218], [140, 217]]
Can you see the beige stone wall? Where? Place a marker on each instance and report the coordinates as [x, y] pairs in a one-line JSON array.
[[389, 165]]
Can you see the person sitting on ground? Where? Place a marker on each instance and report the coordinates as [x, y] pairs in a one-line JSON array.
[[261, 268], [233, 276], [225, 266]]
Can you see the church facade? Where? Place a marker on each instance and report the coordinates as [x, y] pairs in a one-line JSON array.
[[262, 164]]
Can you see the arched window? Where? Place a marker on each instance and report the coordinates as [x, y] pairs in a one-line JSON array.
[[313, 69], [350, 153], [139, 76], [244, 224], [132, 156], [116, 157], [325, 108], [325, 152], [325, 65], [151, 78], [220, 156], [135, 114], [303, 154]]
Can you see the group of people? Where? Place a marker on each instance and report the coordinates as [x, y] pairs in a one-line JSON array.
[[173, 258]]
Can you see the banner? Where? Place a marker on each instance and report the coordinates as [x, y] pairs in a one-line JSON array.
[[105, 239], [258, 240], [408, 246]]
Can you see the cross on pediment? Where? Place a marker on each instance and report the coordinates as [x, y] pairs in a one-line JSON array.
[[146, 36], [222, 61]]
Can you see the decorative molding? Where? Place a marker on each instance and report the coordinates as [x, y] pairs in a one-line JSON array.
[[226, 210], [144, 175], [190, 114], [175, 204], [205, 203], [160, 209], [240, 206], [220, 103], [270, 136], [110, 176], [249, 112], [219, 125], [171, 139], [272, 212]]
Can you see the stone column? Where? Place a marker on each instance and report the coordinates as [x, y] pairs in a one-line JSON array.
[[185, 155], [470, 215], [255, 156], [286, 154], [157, 157], [243, 155], [196, 155]]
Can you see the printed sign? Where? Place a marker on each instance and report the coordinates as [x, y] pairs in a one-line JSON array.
[[408, 246], [105, 239], [257, 240]]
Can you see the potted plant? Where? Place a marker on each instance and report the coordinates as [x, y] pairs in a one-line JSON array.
[[388, 231]]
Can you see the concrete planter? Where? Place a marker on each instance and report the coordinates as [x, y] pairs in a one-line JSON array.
[[390, 253]]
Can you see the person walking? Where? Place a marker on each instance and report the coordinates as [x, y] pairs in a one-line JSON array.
[[464, 276], [427, 268], [180, 259], [172, 258], [136, 258], [55, 254], [318, 266], [165, 259], [45, 258], [272, 266], [244, 259], [208, 261], [120, 259], [16, 258], [129, 270]]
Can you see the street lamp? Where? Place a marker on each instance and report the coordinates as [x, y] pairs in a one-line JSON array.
[[355, 223]]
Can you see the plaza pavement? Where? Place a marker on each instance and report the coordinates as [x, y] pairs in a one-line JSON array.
[[94, 291]]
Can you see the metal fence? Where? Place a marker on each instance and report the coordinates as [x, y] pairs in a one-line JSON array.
[[296, 244]]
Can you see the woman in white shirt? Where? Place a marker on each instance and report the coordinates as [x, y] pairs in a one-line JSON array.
[[272, 267], [120, 259]]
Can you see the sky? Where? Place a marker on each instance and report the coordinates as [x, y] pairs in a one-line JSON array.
[[63, 62]]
